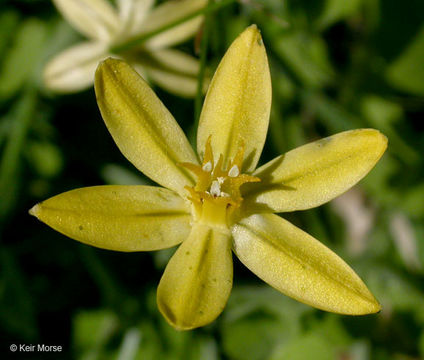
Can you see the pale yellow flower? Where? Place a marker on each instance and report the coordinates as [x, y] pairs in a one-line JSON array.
[[216, 202], [104, 26]]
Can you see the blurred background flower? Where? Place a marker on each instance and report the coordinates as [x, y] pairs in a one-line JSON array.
[[335, 66], [108, 28]]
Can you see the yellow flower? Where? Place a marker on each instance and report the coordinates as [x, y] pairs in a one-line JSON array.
[[217, 202], [73, 69]]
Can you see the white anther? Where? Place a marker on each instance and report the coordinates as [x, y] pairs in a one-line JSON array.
[[224, 194], [215, 188], [220, 180], [234, 171], [207, 167]]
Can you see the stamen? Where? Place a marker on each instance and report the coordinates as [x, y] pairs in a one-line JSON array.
[[216, 197], [215, 188], [207, 167], [234, 171]]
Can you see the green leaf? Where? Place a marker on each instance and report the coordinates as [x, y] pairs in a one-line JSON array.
[[406, 73], [254, 336], [118, 175], [247, 299], [421, 344], [419, 231], [336, 10], [204, 348], [334, 116], [10, 160], [130, 344], [306, 56], [150, 345], [412, 201], [377, 182], [395, 291], [308, 346], [46, 158], [22, 59], [332, 326], [257, 319], [8, 22], [18, 312], [92, 329], [383, 115]]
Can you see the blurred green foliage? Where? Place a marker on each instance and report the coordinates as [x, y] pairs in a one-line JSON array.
[[335, 66]]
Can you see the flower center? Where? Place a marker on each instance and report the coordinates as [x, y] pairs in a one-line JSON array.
[[216, 197]]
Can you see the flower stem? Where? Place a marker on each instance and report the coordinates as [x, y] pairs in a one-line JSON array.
[[10, 162], [137, 40]]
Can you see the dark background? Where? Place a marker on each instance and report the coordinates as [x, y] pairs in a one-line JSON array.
[[334, 67]]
